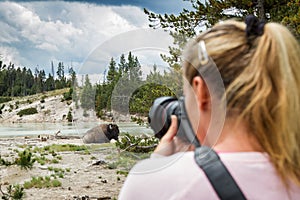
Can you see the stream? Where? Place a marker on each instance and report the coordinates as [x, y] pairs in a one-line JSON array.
[[32, 129]]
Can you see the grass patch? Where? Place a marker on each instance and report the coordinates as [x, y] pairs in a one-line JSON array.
[[54, 161], [27, 111], [42, 182], [125, 160], [52, 150], [5, 99], [63, 147], [122, 172], [42, 160], [99, 146], [58, 172]]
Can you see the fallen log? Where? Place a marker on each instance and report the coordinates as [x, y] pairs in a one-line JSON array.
[[67, 137], [57, 136]]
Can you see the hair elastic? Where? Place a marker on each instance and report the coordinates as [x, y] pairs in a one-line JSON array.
[[254, 26]]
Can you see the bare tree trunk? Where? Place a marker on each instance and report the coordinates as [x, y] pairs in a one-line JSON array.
[[261, 10]]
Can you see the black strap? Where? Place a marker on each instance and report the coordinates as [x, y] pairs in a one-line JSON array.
[[218, 175]]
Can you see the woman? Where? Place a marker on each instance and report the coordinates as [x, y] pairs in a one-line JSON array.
[[260, 140]]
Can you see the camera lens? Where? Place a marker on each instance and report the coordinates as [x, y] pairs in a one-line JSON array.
[[160, 114]]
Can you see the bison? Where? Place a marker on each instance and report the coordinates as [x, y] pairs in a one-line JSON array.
[[101, 134]]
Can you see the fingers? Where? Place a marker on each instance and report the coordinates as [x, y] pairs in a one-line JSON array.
[[168, 137], [166, 145], [169, 144]]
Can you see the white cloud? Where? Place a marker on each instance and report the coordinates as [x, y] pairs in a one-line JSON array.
[[7, 33], [65, 31], [47, 46], [9, 54], [147, 44], [31, 27]]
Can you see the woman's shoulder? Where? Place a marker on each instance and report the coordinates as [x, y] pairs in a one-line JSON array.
[[183, 178], [256, 175], [166, 177], [157, 163]]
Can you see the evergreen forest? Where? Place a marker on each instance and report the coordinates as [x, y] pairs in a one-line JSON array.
[[125, 88]]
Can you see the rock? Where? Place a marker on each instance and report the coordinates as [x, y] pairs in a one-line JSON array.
[[43, 167], [100, 162], [101, 134]]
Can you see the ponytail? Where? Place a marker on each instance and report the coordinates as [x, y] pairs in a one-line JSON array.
[[271, 83], [262, 82]]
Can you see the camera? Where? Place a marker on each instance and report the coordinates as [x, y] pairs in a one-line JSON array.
[[159, 118], [160, 114]]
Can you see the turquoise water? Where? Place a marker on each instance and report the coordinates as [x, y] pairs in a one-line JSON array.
[[30, 129]]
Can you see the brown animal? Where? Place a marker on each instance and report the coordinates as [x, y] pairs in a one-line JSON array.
[[101, 134]]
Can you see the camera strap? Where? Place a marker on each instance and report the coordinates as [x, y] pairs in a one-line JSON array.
[[217, 174]]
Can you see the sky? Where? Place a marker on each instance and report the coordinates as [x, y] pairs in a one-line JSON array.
[[82, 34]]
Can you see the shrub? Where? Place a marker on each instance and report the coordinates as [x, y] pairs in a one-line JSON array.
[[68, 95], [42, 100], [137, 144], [5, 99], [13, 192], [27, 111], [4, 162], [25, 160], [138, 120], [69, 116]]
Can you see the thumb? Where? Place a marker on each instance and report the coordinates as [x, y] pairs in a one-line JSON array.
[[172, 131]]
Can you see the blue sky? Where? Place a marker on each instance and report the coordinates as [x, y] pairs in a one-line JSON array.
[[34, 33], [158, 6]]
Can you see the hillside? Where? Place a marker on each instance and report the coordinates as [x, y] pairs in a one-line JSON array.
[[49, 106]]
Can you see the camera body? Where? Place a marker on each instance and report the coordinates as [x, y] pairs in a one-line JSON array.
[[159, 119], [160, 114]]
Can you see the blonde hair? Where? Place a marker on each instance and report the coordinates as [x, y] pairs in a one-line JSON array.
[[261, 75]]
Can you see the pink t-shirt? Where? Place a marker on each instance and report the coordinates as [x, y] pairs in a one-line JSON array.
[[179, 177]]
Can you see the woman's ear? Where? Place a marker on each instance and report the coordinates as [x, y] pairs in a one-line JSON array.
[[201, 92]]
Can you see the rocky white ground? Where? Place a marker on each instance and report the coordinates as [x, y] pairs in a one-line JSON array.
[[83, 180], [53, 109]]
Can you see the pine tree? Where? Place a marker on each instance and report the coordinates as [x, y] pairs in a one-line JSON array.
[[49, 83], [60, 82], [112, 74], [87, 95], [129, 81]]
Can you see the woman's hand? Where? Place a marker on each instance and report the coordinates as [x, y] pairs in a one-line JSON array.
[[169, 143]]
